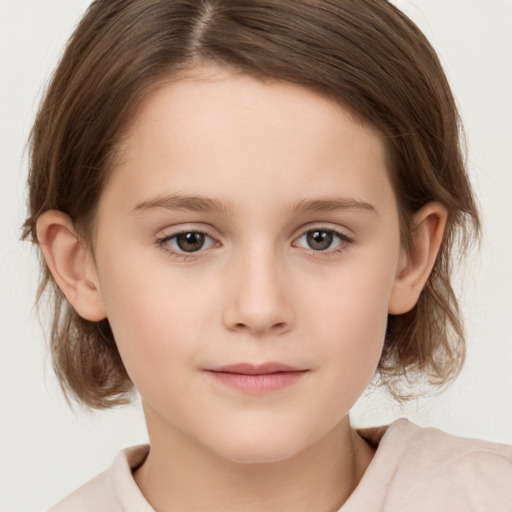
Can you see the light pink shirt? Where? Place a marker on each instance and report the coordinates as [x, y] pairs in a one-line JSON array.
[[414, 470]]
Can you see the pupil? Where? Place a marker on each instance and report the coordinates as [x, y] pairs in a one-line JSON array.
[[319, 240], [190, 242]]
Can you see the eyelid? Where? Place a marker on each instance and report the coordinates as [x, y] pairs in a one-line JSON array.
[[170, 231], [169, 234], [344, 239], [342, 231], [177, 235]]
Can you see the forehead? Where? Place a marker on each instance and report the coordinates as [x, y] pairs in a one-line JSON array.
[[212, 130]]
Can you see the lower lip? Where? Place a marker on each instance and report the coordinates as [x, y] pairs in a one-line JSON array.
[[259, 383]]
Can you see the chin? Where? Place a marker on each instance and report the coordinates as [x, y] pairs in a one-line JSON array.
[[260, 449]]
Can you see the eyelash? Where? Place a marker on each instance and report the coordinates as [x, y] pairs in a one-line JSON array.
[[163, 243], [343, 241]]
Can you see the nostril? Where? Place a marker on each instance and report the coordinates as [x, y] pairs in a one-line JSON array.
[[278, 327]]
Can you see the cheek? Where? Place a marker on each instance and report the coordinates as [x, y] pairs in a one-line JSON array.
[[351, 311], [354, 340], [156, 318]]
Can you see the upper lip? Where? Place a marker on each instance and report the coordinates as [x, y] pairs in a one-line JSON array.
[[255, 369]]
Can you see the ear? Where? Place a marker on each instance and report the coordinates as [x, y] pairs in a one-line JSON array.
[[71, 264], [416, 264]]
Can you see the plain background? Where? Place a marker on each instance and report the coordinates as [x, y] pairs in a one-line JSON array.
[[47, 451]]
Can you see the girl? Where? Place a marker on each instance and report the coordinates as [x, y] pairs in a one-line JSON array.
[[247, 210]]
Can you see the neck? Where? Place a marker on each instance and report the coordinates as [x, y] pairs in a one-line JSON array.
[[180, 474]]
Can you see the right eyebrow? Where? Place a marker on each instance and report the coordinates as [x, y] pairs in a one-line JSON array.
[[180, 202]]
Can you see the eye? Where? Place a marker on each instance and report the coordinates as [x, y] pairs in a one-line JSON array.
[[189, 241], [321, 239]]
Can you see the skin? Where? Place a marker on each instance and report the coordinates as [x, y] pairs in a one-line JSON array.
[[274, 163]]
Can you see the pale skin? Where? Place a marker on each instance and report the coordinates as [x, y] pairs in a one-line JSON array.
[[298, 261]]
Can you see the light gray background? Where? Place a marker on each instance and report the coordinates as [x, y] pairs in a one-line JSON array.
[[47, 451]]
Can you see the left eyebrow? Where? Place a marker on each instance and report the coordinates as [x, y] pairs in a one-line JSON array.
[[180, 202], [333, 204]]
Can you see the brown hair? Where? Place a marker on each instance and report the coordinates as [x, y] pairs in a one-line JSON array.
[[364, 54]]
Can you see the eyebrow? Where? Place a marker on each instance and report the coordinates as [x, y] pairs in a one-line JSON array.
[[205, 204], [333, 204], [180, 202]]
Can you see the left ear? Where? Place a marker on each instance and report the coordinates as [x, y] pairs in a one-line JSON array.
[[416, 264]]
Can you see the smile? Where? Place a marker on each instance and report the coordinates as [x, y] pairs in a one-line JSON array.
[[257, 379]]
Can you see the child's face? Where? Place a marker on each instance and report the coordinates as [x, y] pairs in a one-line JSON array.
[[291, 256]]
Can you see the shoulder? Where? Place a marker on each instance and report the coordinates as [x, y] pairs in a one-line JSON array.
[[446, 471], [114, 490], [97, 494]]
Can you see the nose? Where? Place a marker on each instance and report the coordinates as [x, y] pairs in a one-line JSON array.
[[258, 295]]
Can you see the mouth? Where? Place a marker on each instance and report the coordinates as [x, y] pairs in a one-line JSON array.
[[257, 379]]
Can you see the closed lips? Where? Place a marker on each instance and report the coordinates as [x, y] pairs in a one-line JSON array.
[[250, 369], [257, 379]]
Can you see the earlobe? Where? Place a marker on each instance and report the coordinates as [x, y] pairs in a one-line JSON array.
[[417, 263], [70, 264]]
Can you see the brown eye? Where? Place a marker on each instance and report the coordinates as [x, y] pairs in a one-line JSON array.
[[188, 241], [319, 240]]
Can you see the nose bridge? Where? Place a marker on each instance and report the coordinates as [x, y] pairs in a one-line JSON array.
[[259, 296]]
